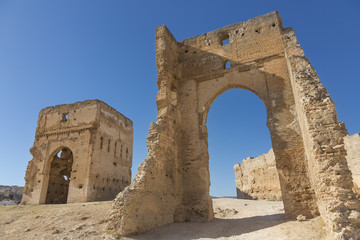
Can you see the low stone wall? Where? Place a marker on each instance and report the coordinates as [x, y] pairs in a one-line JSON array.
[[257, 178]]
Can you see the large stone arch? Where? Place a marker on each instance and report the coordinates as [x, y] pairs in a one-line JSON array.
[[61, 163], [172, 184], [51, 153]]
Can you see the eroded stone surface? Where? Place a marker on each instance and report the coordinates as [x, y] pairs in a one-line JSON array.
[[82, 152], [258, 178], [172, 184]]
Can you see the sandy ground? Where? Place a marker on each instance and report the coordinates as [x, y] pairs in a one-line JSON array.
[[235, 220]]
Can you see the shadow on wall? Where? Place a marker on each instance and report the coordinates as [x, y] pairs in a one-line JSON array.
[[242, 195], [214, 229]]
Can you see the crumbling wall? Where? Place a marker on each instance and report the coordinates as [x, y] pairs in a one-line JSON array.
[[258, 178]]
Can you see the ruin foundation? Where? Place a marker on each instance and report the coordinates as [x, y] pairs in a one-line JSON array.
[[259, 55], [82, 152]]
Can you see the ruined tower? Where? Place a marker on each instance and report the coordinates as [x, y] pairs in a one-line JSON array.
[[82, 152]]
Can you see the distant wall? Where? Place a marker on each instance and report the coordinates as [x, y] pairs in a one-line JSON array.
[[257, 178]]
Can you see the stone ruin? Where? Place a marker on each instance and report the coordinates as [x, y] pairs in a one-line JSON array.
[[172, 184], [257, 178], [82, 152]]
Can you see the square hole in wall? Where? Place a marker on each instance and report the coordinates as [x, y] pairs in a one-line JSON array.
[[225, 39], [64, 117]]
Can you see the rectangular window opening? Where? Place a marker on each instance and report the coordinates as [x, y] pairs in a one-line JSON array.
[[225, 41]]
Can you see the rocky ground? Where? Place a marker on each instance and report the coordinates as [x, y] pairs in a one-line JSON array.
[[235, 219]]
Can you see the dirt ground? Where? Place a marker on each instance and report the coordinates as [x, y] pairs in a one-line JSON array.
[[235, 219]]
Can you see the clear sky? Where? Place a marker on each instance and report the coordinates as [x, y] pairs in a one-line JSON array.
[[57, 52]]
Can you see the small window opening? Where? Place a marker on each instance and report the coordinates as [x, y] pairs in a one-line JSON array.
[[101, 142], [115, 148], [65, 117], [273, 24], [114, 163], [109, 145], [227, 65], [225, 39], [257, 31], [80, 186]]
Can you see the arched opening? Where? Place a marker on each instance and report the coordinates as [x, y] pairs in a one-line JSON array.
[[236, 127], [59, 176]]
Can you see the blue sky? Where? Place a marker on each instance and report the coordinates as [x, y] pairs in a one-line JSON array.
[[56, 52]]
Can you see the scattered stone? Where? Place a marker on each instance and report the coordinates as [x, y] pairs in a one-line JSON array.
[[301, 218]]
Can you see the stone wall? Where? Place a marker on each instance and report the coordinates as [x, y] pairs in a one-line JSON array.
[[257, 178], [82, 152]]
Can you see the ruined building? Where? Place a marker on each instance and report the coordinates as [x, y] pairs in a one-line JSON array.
[[261, 56], [82, 152], [257, 178]]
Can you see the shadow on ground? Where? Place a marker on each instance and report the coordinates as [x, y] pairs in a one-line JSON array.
[[214, 229]]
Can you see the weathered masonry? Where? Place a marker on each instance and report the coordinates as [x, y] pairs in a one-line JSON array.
[[172, 184], [82, 152], [257, 178]]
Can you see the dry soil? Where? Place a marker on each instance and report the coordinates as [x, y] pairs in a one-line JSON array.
[[235, 219]]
